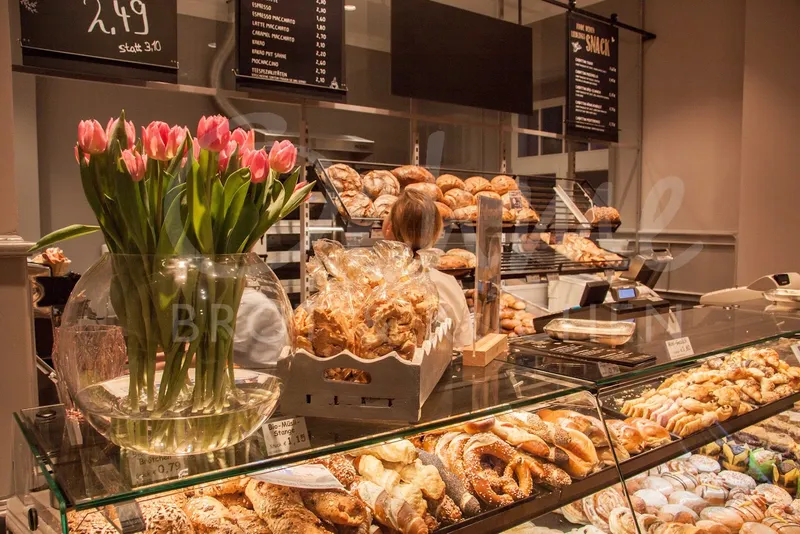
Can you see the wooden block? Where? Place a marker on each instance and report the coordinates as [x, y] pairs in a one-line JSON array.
[[486, 349]]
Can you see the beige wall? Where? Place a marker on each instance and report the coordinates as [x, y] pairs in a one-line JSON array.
[[770, 170]]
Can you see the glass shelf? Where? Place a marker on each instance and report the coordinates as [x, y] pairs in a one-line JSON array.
[[89, 471], [710, 331]]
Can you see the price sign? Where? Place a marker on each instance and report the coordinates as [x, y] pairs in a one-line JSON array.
[[146, 469], [679, 348], [608, 369], [286, 435], [292, 42], [141, 32], [309, 476]]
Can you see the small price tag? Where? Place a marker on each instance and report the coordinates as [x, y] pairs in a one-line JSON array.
[[286, 435], [515, 199], [146, 469], [680, 348], [309, 476], [130, 517], [608, 369]]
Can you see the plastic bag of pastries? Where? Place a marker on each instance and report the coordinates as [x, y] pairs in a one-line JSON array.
[[345, 178], [446, 182], [413, 174], [377, 183], [503, 184], [323, 324]]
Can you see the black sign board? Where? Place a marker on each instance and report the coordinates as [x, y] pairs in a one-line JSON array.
[[592, 62], [140, 33], [587, 352], [292, 43]]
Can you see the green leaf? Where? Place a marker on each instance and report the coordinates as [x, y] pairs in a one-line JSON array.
[[217, 209], [198, 211], [296, 200], [233, 183], [69, 232], [269, 217], [234, 211], [240, 236], [291, 183], [172, 232]]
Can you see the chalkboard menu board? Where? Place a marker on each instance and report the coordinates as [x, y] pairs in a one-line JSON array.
[[292, 42], [592, 61], [142, 33]]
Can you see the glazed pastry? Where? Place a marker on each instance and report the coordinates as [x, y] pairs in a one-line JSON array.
[[621, 521], [413, 174], [704, 464], [383, 205], [165, 516], [653, 500], [345, 178], [773, 494], [282, 509], [681, 481], [358, 205], [724, 516], [208, 515], [458, 198], [446, 182], [735, 457], [782, 526], [336, 507], [598, 507], [454, 488], [688, 499], [712, 527], [445, 212], [626, 435], [676, 513], [469, 213], [476, 184], [756, 528], [248, 520], [735, 479], [378, 183], [431, 191], [749, 510], [658, 484], [713, 495], [712, 479]]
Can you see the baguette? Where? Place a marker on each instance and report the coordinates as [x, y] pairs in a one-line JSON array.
[[391, 512], [282, 509]]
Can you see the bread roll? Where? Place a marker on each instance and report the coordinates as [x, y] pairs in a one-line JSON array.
[[413, 174], [383, 205], [431, 191], [487, 194], [509, 205], [526, 215], [164, 516], [446, 182], [509, 216], [503, 184], [466, 254], [445, 211], [600, 214], [447, 263], [208, 515], [458, 198], [468, 213], [476, 184], [344, 178], [358, 204], [377, 183]]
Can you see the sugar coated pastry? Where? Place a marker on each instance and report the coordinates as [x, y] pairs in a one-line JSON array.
[[723, 515], [653, 500], [773, 494], [705, 464]]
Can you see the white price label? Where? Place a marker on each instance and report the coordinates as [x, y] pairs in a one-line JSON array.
[[146, 469], [608, 369], [286, 435], [310, 476], [796, 350], [680, 348]]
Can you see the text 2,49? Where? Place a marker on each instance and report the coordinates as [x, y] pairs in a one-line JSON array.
[[137, 7]]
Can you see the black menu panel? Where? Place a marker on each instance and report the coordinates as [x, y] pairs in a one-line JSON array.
[[292, 42], [592, 62], [142, 33]]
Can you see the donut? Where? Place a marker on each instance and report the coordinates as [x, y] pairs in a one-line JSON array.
[[735, 479], [756, 528], [705, 464], [749, 510], [714, 495], [681, 481], [781, 526]]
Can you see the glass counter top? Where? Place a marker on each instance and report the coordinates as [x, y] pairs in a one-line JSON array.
[[89, 471], [708, 330]]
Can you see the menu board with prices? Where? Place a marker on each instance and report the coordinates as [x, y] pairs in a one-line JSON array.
[[592, 63], [292, 42], [588, 352], [140, 33]]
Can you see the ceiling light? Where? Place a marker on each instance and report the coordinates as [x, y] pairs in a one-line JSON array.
[[349, 7]]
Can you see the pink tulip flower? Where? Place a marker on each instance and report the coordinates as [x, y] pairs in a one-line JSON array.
[[225, 155], [282, 157], [245, 139], [213, 133], [78, 156], [299, 186], [175, 138], [258, 163], [91, 137], [154, 140], [130, 131], [135, 163]]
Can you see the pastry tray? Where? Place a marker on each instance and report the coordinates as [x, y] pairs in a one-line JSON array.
[[609, 333]]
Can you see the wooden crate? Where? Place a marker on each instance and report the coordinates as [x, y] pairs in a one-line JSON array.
[[397, 390]]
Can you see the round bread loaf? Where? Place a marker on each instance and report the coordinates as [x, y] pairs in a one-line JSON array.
[[467, 213], [345, 178], [452, 262], [358, 204], [377, 183], [445, 211], [458, 198], [446, 182], [431, 191], [413, 174], [383, 205], [487, 194], [508, 216], [476, 184], [466, 254], [503, 184]]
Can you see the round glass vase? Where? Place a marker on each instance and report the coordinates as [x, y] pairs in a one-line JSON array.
[[201, 339]]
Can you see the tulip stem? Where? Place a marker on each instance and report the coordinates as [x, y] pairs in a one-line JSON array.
[[159, 196]]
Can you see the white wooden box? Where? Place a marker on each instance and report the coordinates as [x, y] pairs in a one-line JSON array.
[[397, 390]]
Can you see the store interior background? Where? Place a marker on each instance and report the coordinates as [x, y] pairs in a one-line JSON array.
[[705, 163]]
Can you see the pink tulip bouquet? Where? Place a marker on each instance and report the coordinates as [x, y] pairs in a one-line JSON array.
[[170, 195]]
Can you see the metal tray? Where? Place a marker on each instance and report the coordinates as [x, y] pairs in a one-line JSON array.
[[611, 333], [784, 296]]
